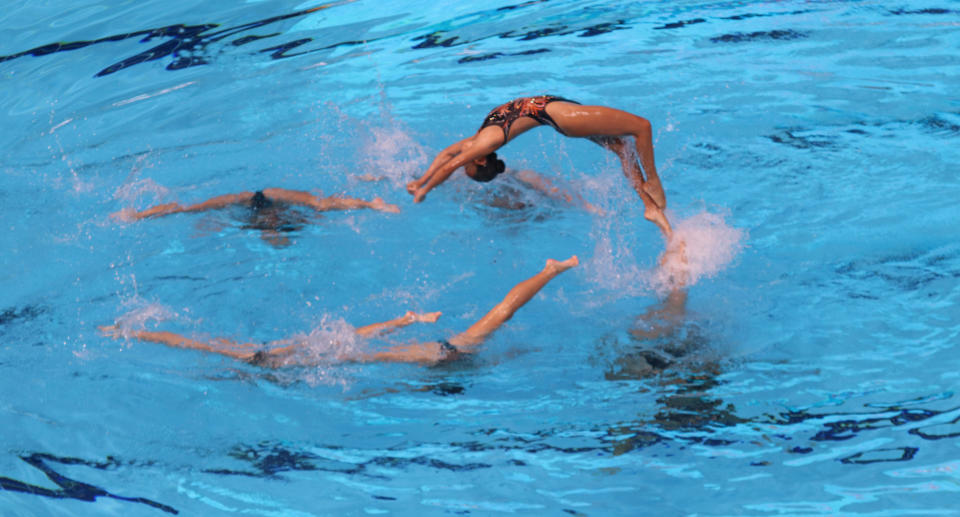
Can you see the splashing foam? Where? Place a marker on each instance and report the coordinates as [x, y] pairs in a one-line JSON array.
[[136, 319], [131, 193], [331, 342], [392, 153], [701, 246]]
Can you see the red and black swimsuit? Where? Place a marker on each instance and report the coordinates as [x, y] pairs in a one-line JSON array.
[[533, 107]]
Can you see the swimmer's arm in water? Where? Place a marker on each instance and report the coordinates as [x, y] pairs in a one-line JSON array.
[[175, 208], [222, 346], [544, 185], [325, 204], [400, 322]]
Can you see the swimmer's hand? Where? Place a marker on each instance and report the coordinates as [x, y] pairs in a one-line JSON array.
[[110, 331], [127, 214], [381, 205], [426, 317], [368, 177]]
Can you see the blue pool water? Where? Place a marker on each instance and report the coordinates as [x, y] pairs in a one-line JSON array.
[[809, 153]]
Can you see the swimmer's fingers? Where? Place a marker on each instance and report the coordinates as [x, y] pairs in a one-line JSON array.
[[381, 205], [126, 215], [426, 317], [593, 209], [109, 331], [429, 317]]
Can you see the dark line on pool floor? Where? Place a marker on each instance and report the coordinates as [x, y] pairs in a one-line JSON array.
[[71, 488]]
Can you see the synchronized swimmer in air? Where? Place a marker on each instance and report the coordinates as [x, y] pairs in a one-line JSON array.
[[605, 126]]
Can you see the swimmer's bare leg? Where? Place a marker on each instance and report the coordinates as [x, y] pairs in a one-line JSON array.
[[644, 143], [651, 211], [299, 197], [399, 322], [432, 352], [516, 298]]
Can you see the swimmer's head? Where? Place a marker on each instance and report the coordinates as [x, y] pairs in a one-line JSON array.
[[484, 169], [259, 201]]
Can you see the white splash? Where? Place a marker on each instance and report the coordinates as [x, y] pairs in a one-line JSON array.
[[131, 193], [324, 350], [137, 318], [391, 153], [701, 246]]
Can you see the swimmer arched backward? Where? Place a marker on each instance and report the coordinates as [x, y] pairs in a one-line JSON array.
[[603, 125]]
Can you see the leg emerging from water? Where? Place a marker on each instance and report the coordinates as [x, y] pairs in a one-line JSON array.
[[436, 351], [651, 211], [590, 121], [516, 298]]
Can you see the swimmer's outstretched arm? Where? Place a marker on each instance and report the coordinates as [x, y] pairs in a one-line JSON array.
[[220, 346], [465, 342], [174, 208], [402, 321], [470, 148], [544, 185], [442, 157], [325, 204]]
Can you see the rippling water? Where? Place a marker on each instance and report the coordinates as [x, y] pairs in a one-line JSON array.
[[809, 153]]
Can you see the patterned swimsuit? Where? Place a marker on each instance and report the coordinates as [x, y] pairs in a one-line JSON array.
[[533, 107]]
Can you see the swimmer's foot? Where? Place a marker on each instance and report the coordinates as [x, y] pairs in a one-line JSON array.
[[658, 218], [654, 189], [676, 253], [674, 265], [558, 266]]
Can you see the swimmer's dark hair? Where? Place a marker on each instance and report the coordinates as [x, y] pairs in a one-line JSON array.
[[489, 170], [259, 201]]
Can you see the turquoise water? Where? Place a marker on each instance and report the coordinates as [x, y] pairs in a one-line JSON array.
[[809, 153]]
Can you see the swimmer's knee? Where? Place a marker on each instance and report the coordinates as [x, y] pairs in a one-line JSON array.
[[642, 127]]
